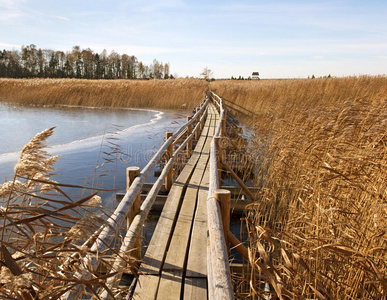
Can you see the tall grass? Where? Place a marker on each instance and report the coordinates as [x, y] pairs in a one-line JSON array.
[[167, 94], [45, 233], [319, 228]]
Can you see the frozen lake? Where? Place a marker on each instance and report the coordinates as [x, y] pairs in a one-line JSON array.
[[83, 137]]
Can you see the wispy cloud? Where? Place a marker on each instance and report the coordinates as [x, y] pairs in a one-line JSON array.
[[62, 18], [11, 10], [11, 4]]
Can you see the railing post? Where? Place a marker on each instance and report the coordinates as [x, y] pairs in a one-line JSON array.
[[197, 132], [189, 132], [202, 120], [224, 198], [131, 174], [219, 150], [169, 152], [223, 128]]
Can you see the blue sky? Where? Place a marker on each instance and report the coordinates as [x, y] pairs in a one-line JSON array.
[[279, 39]]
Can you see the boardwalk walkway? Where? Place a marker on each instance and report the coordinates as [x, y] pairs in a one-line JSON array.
[[175, 263], [188, 255]]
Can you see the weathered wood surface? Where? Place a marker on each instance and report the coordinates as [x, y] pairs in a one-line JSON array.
[[157, 248], [119, 215], [219, 277], [195, 288], [179, 256], [188, 253]]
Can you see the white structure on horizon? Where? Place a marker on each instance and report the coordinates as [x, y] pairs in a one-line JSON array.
[[255, 75]]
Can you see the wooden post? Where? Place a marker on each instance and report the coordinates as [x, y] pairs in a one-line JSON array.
[[223, 128], [169, 152], [197, 133], [238, 246], [202, 120], [219, 158], [239, 181], [224, 198], [131, 174], [189, 132]]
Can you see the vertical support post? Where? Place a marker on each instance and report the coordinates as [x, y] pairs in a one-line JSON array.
[[202, 121], [223, 128], [219, 150], [197, 133], [224, 198], [169, 152], [131, 174], [189, 132]]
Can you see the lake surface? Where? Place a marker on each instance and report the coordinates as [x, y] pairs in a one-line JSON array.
[[84, 137]]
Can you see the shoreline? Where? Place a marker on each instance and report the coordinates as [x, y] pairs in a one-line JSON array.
[[120, 93]]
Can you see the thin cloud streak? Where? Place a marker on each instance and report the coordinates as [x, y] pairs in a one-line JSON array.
[[62, 18]]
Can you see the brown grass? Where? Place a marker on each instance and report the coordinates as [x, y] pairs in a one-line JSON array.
[[167, 94], [44, 232], [319, 228]]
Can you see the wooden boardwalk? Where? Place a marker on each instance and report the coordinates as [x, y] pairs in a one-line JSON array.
[[175, 263], [188, 255]]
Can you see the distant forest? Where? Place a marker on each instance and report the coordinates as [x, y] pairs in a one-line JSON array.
[[32, 62]]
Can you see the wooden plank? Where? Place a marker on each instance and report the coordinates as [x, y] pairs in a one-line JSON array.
[[146, 288], [178, 249], [170, 286], [171, 279], [237, 205], [195, 288], [155, 254], [197, 257]]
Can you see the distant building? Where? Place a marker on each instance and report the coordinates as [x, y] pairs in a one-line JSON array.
[[255, 75]]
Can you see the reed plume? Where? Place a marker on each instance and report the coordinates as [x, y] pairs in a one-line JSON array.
[[44, 233]]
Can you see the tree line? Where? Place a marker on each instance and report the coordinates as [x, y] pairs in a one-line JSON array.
[[31, 62]]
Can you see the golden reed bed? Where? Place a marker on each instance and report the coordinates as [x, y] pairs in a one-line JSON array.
[[319, 229], [167, 94]]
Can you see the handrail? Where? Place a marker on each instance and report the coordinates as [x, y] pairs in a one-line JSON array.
[[116, 219], [136, 226], [219, 276], [219, 101]]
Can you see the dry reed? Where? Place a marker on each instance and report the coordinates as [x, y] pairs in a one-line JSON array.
[[44, 232], [318, 230], [166, 94]]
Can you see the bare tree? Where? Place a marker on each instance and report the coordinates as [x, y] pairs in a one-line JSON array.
[[206, 74]]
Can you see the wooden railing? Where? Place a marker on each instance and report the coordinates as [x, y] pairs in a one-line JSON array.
[[131, 209], [136, 215], [218, 210], [219, 277]]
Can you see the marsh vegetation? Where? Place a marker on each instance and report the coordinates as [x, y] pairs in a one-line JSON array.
[[318, 229]]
